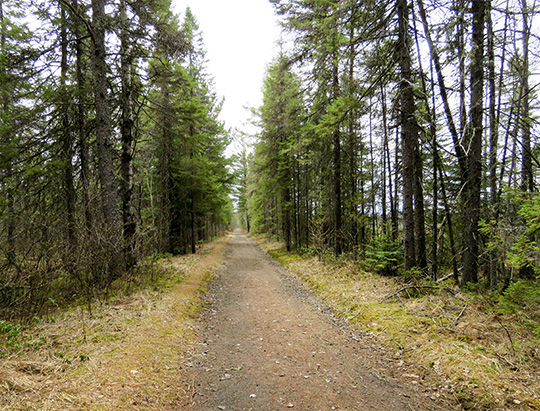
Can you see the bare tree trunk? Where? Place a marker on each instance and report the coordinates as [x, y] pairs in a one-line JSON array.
[[83, 148], [352, 148], [493, 270], [419, 212], [527, 181], [337, 163], [103, 130], [67, 139], [128, 140], [372, 176], [409, 135], [473, 144], [386, 162]]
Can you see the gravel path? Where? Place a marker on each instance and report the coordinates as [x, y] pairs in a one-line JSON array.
[[268, 344]]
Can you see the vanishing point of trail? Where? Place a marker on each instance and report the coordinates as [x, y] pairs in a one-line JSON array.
[[267, 344]]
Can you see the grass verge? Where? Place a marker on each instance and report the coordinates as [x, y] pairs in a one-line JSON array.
[[129, 354], [461, 346]]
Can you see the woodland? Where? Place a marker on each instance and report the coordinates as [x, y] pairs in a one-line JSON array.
[[400, 135], [403, 135], [111, 152]]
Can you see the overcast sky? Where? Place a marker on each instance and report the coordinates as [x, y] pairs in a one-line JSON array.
[[240, 37]]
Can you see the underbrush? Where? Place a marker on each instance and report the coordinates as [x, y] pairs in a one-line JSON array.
[[479, 350], [124, 352], [153, 274], [521, 300]]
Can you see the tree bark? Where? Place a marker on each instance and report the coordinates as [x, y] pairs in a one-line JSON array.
[[409, 135], [527, 180], [80, 116], [473, 143], [103, 130], [128, 140]]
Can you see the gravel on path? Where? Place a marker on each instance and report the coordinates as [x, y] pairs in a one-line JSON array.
[[267, 343]]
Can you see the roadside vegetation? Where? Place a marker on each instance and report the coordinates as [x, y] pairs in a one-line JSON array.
[[479, 348], [124, 353]]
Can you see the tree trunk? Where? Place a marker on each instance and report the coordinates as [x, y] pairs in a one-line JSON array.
[[473, 142], [409, 135], [386, 163], [103, 130], [338, 247], [80, 117], [67, 139], [419, 212], [527, 181], [493, 269], [128, 140]]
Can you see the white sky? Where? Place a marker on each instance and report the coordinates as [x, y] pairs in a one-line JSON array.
[[240, 37]]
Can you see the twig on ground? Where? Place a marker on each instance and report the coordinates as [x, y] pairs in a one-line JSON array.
[[507, 333], [446, 277], [507, 361], [460, 314]]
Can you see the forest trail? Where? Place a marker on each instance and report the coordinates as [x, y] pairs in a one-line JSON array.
[[266, 343]]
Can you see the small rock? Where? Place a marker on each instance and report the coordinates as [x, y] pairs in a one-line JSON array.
[[290, 405]]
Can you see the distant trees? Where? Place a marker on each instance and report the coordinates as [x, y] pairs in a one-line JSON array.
[[188, 143], [110, 147], [415, 125], [280, 120]]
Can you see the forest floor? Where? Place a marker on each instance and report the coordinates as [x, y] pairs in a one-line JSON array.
[[315, 336]]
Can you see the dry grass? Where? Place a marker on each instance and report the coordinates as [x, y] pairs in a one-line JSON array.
[[129, 354], [460, 347]]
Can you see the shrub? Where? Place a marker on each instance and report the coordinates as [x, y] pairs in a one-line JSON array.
[[384, 255], [523, 298]]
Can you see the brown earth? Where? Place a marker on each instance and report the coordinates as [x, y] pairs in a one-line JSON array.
[[266, 343]]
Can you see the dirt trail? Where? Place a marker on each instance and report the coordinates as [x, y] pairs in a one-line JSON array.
[[268, 344]]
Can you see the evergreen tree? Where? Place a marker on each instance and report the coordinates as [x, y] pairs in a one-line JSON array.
[[279, 119]]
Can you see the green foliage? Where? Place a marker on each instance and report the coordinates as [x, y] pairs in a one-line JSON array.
[[414, 275], [10, 337], [522, 298], [384, 255], [272, 167], [524, 254], [513, 238], [9, 330]]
